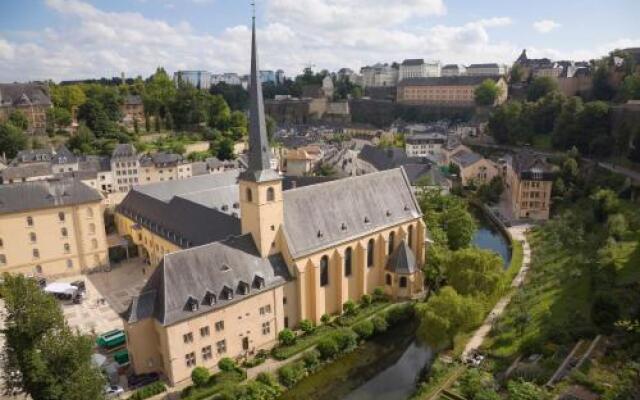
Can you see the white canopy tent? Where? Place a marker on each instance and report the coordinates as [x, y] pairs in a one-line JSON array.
[[61, 288]]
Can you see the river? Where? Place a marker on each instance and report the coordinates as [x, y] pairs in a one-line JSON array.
[[387, 367]]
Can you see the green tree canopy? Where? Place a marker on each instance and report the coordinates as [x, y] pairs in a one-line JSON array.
[[487, 92], [54, 362], [474, 271], [19, 119], [12, 140], [445, 315], [541, 87]]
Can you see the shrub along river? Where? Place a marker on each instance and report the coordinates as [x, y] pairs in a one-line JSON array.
[[386, 367]]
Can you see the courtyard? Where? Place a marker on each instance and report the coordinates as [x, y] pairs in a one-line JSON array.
[[108, 295]]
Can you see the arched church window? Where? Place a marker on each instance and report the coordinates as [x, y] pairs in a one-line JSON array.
[[370, 247], [249, 195], [324, 271], [392, 237], [271, 194], [347, 261]]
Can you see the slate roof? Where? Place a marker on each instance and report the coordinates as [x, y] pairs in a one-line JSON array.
[[466, 158], [95, 163], [486, 65], [198, 168], [527, 164], [20, 197], [161, 159], [189, 275], [133, 99], [320, 216], [18, 94], [383, 159], [413, 61], [124, 150], [451, 66], [64, 156], [33, 155], [29, 170], [402, 260], [463, 80], [187, 212]]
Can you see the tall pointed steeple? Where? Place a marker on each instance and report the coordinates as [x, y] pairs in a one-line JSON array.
[[259, 152]]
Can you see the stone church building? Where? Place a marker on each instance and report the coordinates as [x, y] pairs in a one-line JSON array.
[[286, 255]]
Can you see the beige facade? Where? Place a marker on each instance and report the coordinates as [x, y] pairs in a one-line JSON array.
[[54, 241], [445, 91], [151, 245], [151, 173], [478, 173], [529, 180]]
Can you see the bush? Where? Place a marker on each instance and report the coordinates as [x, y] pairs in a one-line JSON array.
[[364, 329], [378, 294], [349, 307], [366, 300], [286, 337], [200, 376], [325, 319], [148, 391], [311, 359], [290, 374], [226, 364], [307, 326], [328, 347], [399, 313], [267, 378], [346, 338], [379, 324]]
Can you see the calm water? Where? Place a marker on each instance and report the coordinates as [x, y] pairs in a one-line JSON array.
[[489, 237], [387, 367]]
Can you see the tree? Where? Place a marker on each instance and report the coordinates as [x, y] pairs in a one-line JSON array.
[[459, 226], [223, 149], [521, 390], [19, 119], [200, 376], [12, 140], [93, 114], [567, 129], [630, 89], [54, 362], [474, 381], [606, 202], [540, 87], [445, 315], [349, 307], [596, 129], [307, 326], [158, 92], [634, 153], [271, 126], [602, 88], [487, 93], [490, 193], [475, 272], [516, 74], [286, 337], [226, 364]]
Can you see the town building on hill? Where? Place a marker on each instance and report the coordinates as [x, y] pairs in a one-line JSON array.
[[453, 70], [132, 110], [418, 68], [490, 69], [529, 179], [51, 228], [474, 169], [31, 98], [288, 255], [446, 91]]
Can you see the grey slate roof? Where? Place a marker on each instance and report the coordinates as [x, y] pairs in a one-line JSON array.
[[161, 159], [123, 150], [383, 159], [319, 216], [402, 260], [19, 197], [30, 170], [486, 65], [466, 158], [413, 61], [527, 163], [188, 212], [190, 275], [463, 80], [133, 99], [17, 94], [94, 163], [64, 156], [34, 155], [198, 168]]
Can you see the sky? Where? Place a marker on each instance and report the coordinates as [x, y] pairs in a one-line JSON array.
[[80, 39]]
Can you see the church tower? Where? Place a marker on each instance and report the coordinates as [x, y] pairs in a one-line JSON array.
[[260, 186]]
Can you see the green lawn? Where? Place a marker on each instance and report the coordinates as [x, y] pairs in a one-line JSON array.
[[217, 383]]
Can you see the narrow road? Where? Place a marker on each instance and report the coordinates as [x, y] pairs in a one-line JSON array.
[[518, 233]]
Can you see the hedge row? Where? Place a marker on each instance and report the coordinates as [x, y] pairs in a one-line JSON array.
[[148, 391]]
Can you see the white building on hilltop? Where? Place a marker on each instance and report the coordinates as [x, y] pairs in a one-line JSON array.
[[418, 68]]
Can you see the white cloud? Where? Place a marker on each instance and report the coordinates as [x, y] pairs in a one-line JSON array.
[[545, 25], [328, 33]]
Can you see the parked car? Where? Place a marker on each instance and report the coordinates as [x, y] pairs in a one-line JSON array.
[[113, 391], [80, 285], [136, 381]]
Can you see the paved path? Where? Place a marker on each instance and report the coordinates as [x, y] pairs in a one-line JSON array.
[[518, 233]]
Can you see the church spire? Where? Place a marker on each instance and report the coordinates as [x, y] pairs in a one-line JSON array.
[[259, 152]]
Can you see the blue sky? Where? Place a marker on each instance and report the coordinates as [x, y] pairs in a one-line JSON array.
[[72, 39]]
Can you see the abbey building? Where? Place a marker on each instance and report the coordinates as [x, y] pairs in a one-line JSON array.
[[241, 257]]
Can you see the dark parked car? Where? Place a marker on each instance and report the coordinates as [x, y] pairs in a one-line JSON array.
[[80, 285], [136, 381]]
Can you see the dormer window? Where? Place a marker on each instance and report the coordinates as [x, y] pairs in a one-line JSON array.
[[243, 288], [388, 213], [227, 293], [258, 282], [320, 234], [406, 208], [271, 194], [209, 298], [225, 268], [225, 207], [236, 205], [343, 227], [366, 220], [192, 304]]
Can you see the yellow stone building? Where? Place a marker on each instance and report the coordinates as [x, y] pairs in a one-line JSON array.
[[280, 251], [446, 90], [529, 180], [51, 228]]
